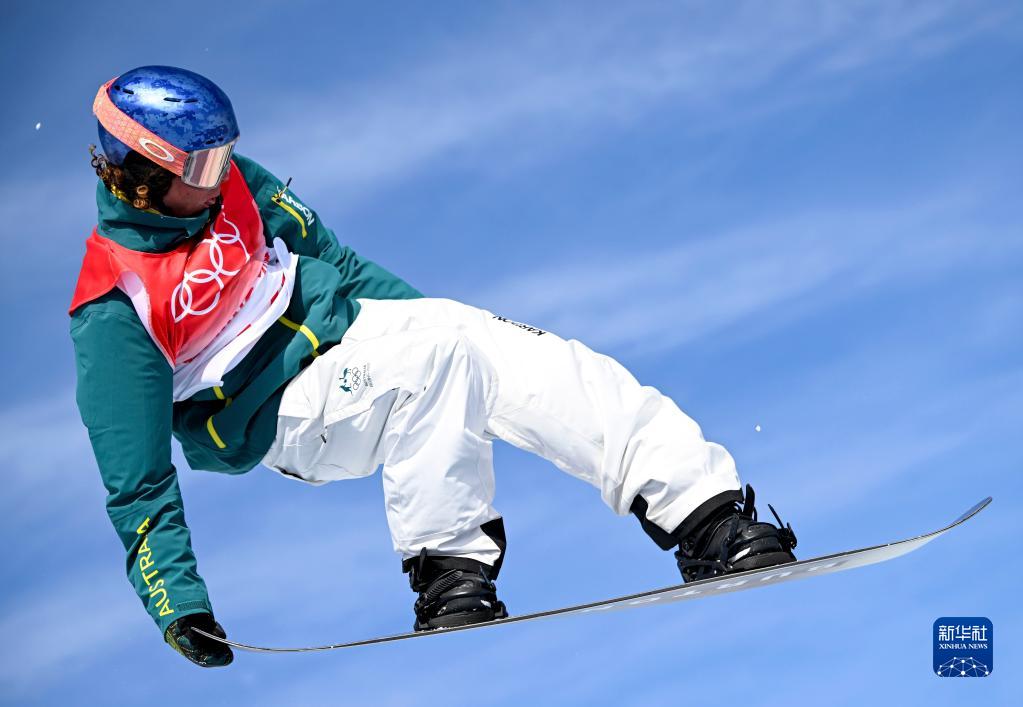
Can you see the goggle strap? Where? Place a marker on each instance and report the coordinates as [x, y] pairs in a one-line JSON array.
[[135, 135]]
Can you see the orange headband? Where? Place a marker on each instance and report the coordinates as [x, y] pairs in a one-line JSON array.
[[136, 136]]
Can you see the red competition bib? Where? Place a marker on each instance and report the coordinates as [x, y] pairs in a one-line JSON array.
[[185, 296]]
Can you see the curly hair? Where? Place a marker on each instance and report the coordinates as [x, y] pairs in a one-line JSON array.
[[137, 180]]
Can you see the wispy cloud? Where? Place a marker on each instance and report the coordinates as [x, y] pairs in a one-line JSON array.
[[555, 80], [46, 451], [45, 223], [60, 629], [888, 432], [756, 276]]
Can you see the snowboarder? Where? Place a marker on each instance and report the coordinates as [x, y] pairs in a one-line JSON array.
[[213, 304]]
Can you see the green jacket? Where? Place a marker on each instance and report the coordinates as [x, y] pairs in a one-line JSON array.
[[125, 384]]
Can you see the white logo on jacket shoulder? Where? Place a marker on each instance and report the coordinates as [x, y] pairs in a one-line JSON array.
[[299, 206]]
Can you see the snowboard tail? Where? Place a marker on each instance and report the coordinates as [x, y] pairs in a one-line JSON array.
[[739, 581]]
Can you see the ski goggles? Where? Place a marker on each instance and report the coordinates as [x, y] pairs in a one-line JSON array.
[[200, 168]]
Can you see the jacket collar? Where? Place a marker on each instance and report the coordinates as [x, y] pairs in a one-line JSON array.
[[143, 231]]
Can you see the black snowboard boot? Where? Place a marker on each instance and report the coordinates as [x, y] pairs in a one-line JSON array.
[[721, 537], [453, 591]]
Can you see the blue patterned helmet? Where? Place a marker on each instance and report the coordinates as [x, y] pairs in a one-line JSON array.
[[178, 119]]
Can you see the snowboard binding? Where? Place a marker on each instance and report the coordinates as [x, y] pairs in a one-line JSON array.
[[453, 591], [721, 536]]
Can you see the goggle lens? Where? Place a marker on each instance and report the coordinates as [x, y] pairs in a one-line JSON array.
[[205, 168]]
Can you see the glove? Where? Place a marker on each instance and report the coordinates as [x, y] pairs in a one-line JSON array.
[[198, 648]]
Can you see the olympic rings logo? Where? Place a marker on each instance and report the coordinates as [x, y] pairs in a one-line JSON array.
[[183, 298]]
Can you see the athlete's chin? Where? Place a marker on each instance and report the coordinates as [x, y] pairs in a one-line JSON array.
[[179, 213], [189, 211]]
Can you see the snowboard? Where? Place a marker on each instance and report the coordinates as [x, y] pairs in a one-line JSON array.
[[736, 582]]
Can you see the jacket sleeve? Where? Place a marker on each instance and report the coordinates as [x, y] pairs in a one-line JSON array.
[[124, 395], [287, 217]]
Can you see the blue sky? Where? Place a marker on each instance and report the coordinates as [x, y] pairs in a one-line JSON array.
[[801, 216]]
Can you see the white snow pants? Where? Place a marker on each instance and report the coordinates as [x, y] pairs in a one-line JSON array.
[[423, 386]]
